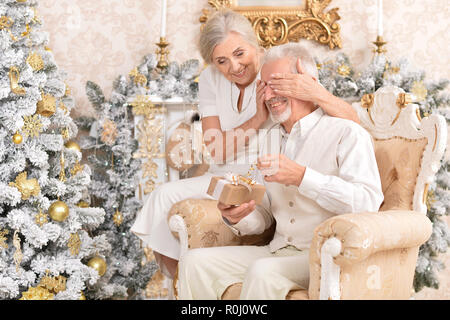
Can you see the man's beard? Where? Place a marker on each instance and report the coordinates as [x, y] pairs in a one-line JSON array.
[[284, 116]]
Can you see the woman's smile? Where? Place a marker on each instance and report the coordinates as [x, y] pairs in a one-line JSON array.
[[240, 74]]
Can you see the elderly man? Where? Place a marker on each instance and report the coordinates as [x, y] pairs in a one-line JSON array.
[[314, 166]]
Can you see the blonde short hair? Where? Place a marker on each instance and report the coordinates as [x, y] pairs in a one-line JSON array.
[[219, 26], [293, 50]]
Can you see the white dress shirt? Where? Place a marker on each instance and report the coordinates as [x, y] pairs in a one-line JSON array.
[[341, 177]]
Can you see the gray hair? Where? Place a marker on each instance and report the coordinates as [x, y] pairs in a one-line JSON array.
[[219, 26], [293, 50]]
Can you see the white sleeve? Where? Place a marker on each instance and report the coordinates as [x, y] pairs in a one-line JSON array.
[[357, 187], [206, 94]]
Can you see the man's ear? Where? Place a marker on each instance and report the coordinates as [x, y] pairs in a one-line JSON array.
[[299, 66]]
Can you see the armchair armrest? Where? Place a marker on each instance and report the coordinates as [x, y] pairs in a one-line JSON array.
[[198, 223], [363, 234], [347, 249]]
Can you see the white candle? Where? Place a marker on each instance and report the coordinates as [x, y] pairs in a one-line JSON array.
[[163, 18], [380, 17]]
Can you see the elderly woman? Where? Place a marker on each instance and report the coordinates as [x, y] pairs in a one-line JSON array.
[[231, 102]]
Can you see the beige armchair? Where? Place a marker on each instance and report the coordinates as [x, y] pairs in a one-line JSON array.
[[370, 255]]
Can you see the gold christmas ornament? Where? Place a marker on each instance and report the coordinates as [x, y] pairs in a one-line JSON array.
[[53, 284], [6, 24], [3, 234], [47, 106], [430, 198], [142, 106], [76, 168], [38, 293], [139, 78], [18, 255], [26, 33], [83, 204], [36, 18], [17, 138], [109, 133], [419, 90], [344, 70], [67, 91], [118, 218], [62, 172], [65, 133], [390, 70], [14, 75], [74, 244], [82, 296], [72, 145], [98, 264], [58, 211], [32, 126], [41, 218], [27, 187]]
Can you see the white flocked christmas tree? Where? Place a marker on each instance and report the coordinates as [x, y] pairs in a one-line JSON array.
[[46, 247]]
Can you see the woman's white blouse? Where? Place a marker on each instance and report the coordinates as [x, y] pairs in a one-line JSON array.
[[218, 97]]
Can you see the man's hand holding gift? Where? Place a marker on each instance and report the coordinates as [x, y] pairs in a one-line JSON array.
[[234, 213]]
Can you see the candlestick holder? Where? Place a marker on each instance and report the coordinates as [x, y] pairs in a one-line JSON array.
[[162, 53], [379, 43]]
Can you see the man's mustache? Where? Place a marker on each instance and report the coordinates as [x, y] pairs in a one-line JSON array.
[[274, 100]]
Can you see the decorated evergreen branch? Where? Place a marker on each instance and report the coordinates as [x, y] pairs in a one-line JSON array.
[[339, 77], [117, 163], [176, 81], [111, 145], [45, 241]]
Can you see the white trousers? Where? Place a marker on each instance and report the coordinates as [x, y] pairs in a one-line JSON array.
[[151, 224], [206, 273]]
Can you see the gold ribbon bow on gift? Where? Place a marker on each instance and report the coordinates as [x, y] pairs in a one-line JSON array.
[[237, 179]]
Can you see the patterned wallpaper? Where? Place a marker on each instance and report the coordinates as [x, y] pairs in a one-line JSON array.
[[98, 40]]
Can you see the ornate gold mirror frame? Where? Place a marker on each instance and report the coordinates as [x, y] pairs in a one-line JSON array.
[[278, 25]]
